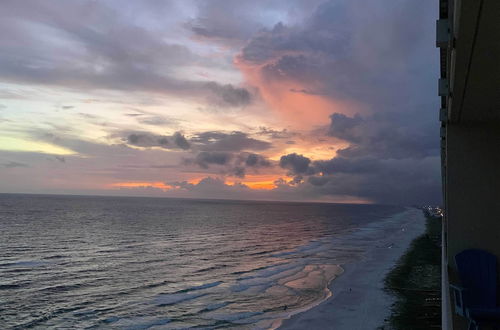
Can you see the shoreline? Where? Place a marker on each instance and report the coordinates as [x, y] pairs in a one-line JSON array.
[[358, 299], [277, 323]]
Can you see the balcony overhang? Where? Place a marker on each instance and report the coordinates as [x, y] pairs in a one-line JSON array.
[[474, 74]]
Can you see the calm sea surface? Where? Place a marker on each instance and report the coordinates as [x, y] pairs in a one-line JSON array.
[[138, 263]]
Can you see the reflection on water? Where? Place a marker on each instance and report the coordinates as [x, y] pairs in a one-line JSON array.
[[164, 263]]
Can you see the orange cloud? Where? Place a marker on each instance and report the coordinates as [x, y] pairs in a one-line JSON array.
[[157, 184], [257, 182], [295, 101]]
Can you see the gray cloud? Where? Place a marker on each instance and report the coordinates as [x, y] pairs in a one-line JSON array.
[[392, 181], [216, 24], [362, 52], [109, 50], [385, 135], [304, 91], [232, 164], [149, 118], [153, 120], [148, 140], [234, 141], [60, 159], [318, 180], [213, 188], [181, 141], [205, 159], [181, 184], [346, 51], [297, 164], [378, 55], [344, 127], [12, 164], [277, 134], [245, 161], [240, 20], [229, 95], [255, 160]]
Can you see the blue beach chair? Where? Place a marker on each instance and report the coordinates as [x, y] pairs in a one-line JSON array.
[[477, 298]]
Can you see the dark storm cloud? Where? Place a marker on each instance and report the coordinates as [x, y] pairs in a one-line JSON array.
[[345, 127], [380, 56], [234, 141], [297, 164], [384, 135], [400, 181], [396, 181], [318, 180], [347, 165], [89, 45]]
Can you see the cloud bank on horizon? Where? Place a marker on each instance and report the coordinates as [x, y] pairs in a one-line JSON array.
[[280, 100]]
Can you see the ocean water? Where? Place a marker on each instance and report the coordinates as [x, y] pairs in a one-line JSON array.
[[140, 263]]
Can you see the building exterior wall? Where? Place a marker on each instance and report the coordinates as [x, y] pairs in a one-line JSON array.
[[472, 188], [470, 136]]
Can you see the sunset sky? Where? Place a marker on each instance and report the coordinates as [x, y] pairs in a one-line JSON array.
[[298, 100]]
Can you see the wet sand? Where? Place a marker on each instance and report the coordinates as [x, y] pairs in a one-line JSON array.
[[358, 301]]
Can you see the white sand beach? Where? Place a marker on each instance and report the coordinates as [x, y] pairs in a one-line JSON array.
[[358, 301]]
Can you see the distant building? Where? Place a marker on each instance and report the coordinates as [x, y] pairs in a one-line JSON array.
[[468, 35]]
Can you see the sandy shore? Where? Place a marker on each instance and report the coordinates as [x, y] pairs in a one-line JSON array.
[[358, 300]]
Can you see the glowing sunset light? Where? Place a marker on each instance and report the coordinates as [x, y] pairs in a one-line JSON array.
[[20, 144], [264, 185], [159, 185], [256, 185]]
